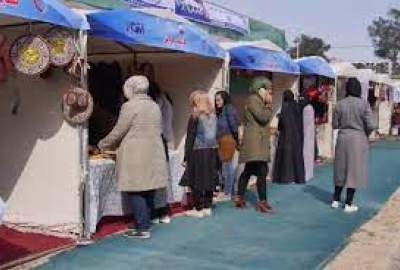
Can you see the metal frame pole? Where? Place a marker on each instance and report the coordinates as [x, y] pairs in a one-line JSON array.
[[83, 142]]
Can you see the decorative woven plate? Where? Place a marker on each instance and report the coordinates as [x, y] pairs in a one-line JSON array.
[[81, 112], [30, 55], [62, 46]]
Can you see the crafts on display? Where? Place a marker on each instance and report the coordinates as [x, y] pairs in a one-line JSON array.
[[30, 55], [62, 46]]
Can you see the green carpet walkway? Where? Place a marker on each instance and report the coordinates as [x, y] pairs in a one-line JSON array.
[[302, 235]]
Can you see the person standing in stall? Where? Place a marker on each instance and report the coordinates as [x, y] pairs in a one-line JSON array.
[[201, 160], [228, 140], [353, 117], [141, 163], [255, 148], [161, 212], [289, 162]]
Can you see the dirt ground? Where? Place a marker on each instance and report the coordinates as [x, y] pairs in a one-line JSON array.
[[376, 245]]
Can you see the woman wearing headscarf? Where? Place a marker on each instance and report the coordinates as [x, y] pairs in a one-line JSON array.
[[201, 155], [255, 148], [289, 162], [353, 118], [228, 139], [141, 163]]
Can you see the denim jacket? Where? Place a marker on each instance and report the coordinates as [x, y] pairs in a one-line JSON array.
[[206, 132]]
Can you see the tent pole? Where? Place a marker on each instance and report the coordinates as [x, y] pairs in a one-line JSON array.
[[83, 139], [226, 75]]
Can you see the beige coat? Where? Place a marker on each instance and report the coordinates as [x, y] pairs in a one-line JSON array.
[[141, 160], [256, 136]]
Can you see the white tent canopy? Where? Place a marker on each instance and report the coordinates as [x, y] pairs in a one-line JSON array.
[[344, 69], [384, 79], [263, 44], [367, 75]]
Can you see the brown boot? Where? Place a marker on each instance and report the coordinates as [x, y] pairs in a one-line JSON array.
[[240, 202], [264, 207]]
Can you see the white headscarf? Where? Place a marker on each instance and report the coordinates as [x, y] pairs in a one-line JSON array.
[[136, 85]]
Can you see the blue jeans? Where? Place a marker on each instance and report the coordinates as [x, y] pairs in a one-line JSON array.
[[142, 204], [228, 174]]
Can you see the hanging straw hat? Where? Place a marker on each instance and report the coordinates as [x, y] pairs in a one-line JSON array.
[[77, 106]]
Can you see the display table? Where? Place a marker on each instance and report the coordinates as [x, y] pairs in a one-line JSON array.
[[104, 197]]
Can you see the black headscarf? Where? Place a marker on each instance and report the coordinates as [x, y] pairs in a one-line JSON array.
[[353, 88], [288, 96]]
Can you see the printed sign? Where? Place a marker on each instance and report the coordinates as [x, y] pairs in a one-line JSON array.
[[167, 4], [191, 9], [225, 18], [200, 11]]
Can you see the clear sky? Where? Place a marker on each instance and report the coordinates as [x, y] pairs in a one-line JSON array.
[[342, 23]]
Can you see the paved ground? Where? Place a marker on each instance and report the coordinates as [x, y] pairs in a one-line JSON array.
[[304, 234], [376, 245]]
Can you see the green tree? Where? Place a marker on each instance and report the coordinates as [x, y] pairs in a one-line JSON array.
[[385, 35], [309, 46]]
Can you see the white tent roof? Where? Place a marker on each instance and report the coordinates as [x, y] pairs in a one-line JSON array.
[[344, 69], [384, 79], [263, 44], [368, 75]]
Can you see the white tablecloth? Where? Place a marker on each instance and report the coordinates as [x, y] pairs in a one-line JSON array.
[[106, 200]]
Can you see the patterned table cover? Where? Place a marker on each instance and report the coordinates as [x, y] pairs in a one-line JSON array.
[[104, 197]]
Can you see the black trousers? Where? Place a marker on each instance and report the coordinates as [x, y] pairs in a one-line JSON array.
[[349, 196], [259, 169], [202, 199]]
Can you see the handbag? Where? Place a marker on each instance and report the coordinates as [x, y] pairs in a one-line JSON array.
[[227, 144]]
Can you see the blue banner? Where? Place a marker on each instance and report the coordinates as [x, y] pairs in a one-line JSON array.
[[199, 11], [50, 11], [135, 27], [253, 58], [315, 65]]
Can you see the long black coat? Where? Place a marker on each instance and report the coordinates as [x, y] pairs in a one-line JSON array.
[[202, 165], [289, 161]]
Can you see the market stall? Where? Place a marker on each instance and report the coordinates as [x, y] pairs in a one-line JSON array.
[[385, 104], [250, 59], [182, 59], [40, 163], [343, 71], [318, 82], [370, 92]]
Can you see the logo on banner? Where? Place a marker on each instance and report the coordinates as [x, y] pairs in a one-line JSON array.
[[178, 40], [9, 2], [135, 28], [251, 59], [40, 5]]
